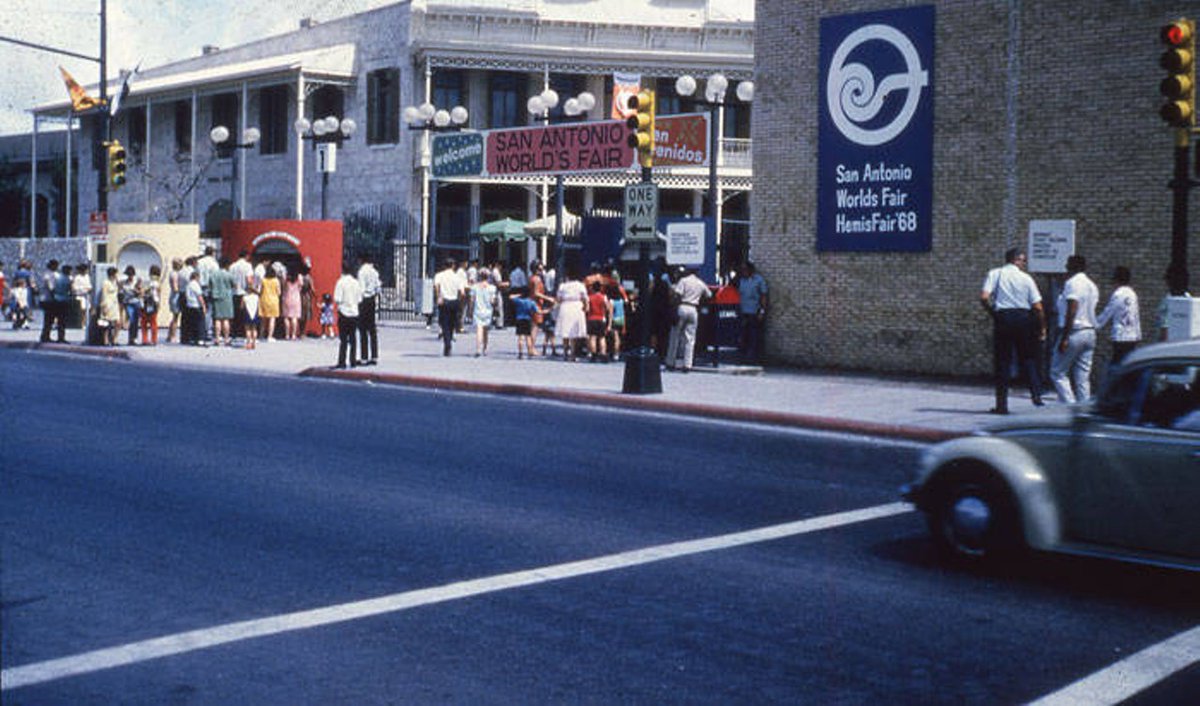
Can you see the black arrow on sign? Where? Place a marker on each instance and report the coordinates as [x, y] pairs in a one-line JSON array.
[[634, 230]]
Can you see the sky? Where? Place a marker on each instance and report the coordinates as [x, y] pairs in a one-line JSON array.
[[154, 31]]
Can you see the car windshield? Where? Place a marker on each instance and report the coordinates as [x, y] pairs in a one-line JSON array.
[[1165, 395]]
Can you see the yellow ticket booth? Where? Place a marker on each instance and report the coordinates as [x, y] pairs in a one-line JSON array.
[[144, 245]]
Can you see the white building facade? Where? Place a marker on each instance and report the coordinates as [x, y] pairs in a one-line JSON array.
[[487, 56]]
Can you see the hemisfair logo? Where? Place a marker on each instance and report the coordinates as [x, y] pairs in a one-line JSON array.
[[854, 98]]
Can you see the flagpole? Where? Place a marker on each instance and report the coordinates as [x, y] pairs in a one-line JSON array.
[[105, 126]]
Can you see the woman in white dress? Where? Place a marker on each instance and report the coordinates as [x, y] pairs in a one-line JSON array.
[[483, 299], [571, 319]]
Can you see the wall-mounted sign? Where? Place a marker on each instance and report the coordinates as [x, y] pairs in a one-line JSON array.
[[875, 131], [457, 154], [1050, 244], [555, 149], [685, 243], [681, 140]]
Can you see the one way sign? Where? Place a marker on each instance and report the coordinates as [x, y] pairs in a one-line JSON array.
[[641, 212]]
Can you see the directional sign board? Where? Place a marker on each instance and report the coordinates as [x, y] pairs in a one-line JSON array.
[[641, 212]]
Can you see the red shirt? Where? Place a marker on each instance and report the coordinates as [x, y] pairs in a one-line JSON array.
[[597, 306]]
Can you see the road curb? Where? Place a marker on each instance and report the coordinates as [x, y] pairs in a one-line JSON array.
[[648, 404], [71, 348]]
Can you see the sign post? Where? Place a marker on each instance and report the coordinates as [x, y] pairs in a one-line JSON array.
[[641, 212], [642, 375]]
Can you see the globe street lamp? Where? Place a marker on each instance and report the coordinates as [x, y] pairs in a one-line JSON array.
[[715, 87], [326, 135], [575, 108], [428, 118], [225, 149]]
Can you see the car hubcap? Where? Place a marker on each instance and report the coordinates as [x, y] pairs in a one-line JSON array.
[[970, 518]]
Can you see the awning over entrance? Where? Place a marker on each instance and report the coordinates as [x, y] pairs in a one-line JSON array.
[[544, 227]]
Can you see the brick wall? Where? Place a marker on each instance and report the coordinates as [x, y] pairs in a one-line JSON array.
[[1063, 126]]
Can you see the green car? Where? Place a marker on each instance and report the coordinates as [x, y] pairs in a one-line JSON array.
[[1118, 477]]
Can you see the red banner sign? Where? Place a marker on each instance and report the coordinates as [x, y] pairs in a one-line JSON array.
[[681, 140], [556, 149]]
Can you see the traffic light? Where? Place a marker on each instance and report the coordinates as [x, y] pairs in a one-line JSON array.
[[115, 165], [641, 124], [1179, 86]]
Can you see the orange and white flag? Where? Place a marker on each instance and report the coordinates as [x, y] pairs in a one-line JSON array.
[[80, 100]]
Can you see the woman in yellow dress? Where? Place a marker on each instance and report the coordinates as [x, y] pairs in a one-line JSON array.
[[268, 304]]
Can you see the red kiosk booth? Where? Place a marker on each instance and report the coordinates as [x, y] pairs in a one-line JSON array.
[[316, 243]]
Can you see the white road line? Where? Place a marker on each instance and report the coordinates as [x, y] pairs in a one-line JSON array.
[[180, 643], [1135, 673]]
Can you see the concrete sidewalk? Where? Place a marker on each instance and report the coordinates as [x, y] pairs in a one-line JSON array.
[[410, 355]]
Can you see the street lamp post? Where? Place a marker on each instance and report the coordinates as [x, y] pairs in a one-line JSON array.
[[715, 87], [427, 118], [326, 135], [575, 108], [220, 139]]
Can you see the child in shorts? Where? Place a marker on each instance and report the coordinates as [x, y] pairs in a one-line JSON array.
[[327, 317], [524, 307]]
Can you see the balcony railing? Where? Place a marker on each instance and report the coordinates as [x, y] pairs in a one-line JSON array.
[[736, 153]]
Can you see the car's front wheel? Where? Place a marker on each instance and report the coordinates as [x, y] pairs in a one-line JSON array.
[[973, 518]]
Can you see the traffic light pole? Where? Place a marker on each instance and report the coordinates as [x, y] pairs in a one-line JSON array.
[[1181, 185], [642, 373]]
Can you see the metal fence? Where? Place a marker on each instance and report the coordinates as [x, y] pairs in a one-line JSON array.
[[390, 237]]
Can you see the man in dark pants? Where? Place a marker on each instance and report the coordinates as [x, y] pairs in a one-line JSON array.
[[1012, 299], [752, 312], [368, 279], [347, 294], [449, 290], [56, 293]]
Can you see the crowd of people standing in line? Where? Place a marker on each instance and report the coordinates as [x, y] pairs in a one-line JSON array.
[[213, 301], [591, 316], [1011, 298]]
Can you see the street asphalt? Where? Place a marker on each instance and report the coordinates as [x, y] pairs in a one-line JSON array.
[[410, 355]]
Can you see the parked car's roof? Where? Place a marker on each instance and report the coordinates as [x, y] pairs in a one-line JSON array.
[[1159, 351]]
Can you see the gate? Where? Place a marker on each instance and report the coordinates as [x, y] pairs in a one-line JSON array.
[[391, 237]]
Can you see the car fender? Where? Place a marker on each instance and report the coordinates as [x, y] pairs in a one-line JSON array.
[[1034, 497]]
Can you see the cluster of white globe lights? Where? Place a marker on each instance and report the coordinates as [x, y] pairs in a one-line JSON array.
[[541, 104], [326, 126], [427, 114]]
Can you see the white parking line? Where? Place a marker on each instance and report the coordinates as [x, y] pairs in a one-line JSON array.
[[180, 643], [1137, 672]]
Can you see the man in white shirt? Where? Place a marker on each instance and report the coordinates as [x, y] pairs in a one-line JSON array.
[[1011, 298], [1072, 360], [448, 288], [690, 291], [242, 271], [206, 266], [1122, 311], [368, 278], [347, 294]]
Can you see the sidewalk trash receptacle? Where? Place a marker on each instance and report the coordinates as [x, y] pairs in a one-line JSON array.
[[718, 326]]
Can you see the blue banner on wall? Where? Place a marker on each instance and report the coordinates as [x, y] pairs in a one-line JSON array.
[[875, 133]]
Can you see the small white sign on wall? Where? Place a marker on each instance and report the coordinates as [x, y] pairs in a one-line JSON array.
[[685, 243], [1050, 244]]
